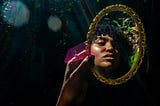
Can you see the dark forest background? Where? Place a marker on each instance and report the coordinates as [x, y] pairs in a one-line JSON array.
[[32, 55]]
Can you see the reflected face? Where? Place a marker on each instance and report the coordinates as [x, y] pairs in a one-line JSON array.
[[105, 50]]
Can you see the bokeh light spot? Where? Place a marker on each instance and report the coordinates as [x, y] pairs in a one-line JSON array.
[[15, 13], [54, 23]]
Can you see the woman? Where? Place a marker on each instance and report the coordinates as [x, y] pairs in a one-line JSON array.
[[110, 51]]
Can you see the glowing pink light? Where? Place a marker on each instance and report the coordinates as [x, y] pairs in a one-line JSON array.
[[78, 52]]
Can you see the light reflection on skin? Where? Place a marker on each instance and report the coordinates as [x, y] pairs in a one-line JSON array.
[[106, 53]]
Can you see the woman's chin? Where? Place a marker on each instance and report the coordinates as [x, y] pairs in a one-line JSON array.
[[106, 64], [110, 65]]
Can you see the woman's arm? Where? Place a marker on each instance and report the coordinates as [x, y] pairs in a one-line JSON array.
[[74, 85]]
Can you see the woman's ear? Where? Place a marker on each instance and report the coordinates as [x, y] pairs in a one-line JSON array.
[[88, 48]]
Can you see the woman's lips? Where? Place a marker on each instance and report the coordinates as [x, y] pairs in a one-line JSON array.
[[108, 56]]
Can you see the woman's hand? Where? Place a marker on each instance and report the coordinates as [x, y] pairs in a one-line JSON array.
[[74, 85]]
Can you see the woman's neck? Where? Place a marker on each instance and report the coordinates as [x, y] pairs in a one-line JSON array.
[[106, 72]]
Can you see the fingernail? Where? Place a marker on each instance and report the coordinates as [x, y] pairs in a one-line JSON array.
[[86, 58]]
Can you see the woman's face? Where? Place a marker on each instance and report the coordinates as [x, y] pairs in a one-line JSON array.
[[105, 51]]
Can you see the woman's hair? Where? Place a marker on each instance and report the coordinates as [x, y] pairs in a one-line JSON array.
[[124, 47]]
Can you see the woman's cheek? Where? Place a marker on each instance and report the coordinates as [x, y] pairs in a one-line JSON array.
[[94, 50]]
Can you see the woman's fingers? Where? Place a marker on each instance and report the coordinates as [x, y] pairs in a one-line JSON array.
[[71, 66], [74, 62], [82, 67]]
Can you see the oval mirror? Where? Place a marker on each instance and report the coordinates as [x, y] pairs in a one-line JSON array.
[[131, 28]]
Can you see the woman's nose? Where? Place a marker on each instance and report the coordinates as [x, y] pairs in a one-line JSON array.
[[109, 46]]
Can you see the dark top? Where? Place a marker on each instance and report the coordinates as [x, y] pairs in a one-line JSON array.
[[130, 93]]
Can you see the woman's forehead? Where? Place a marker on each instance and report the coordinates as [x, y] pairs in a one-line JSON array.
[[105, 36]]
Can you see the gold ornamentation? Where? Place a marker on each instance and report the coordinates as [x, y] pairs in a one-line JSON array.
[[141, 48]]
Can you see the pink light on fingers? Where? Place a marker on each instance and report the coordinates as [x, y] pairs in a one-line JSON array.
[[77, 52]]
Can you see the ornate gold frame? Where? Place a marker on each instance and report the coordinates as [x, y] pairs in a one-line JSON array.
[[142, 45]]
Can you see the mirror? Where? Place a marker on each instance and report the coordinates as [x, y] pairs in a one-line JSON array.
[[129, 24]]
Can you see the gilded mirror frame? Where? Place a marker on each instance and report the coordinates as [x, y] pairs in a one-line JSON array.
[[142, 43]]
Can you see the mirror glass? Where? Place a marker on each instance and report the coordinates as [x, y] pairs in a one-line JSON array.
[[132, 37]]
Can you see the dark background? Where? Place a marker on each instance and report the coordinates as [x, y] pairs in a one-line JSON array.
[[32, 56]]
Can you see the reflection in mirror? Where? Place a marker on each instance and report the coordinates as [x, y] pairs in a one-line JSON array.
[[123, 25], [127, 26]]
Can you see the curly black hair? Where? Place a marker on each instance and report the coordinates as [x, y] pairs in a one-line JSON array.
[[116, 33]]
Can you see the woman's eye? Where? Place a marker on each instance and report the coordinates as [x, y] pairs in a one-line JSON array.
[[101, 43]]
